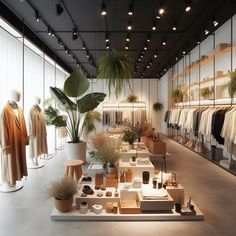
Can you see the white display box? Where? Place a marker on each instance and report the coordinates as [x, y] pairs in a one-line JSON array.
[[127, 153]]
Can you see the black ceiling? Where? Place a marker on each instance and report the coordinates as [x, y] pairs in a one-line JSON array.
[[86, 16]]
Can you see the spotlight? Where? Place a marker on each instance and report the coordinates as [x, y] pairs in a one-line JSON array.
[[50, 32], [60, 42], [161, 9], [174, 27], [215, 22], [69, 53], [129, 27], [154, 25], [59, 8], [145, 47], [126, 46], [158, 16], [74, 34], [87, 55], [141, 56], [103, 9], [188, 4], [150, 63], [139, 59], [107, 45], [66, 49], [148, 66], [155, 55], [149, 38], [206, 31], [106, 37], [77, 64], [184, 52], [131, 9], [164, 42], [84, 46], [127, 38], [37, 16]]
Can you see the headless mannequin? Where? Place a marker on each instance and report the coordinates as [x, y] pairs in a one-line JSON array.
[[15, 97]]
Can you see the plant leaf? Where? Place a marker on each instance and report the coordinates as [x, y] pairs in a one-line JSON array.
[[90, 101], [76, 84], [63, 102]]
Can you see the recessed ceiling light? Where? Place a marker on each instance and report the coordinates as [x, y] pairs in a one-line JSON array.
[[127, 37], [155, 55], [149, 38], [126, 46], [188, 4], [148, 66], [106, 37], [184, 52], [107, 45], [141, 56], [164, 42], [161, 9], [129, 27], [154, 25], [145, 47]]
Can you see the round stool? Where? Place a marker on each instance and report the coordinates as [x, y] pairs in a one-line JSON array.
[[73, 169]]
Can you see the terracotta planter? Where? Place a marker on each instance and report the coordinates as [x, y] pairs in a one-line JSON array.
[[63, 205], [76, 151]]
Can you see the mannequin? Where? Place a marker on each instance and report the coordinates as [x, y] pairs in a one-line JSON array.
[[13, 139], [37, 134]]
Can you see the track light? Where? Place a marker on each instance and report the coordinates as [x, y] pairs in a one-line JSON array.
[[59, 9], [155, 55], [149, 38], [127, 37], [37, 16], [126, 46], [148, 66], [75, 34], [84, 46], [206, 31], [103, 9], [158, 16], [60, 42], [131, 9], [164, 42], [188, 4], [139, 59], [77, 64], [184, 52], [69, 53], [145, 47], [161, 9], [129, 27], [154, 25], [215, 22], [50, 32], [141, 56], [107, 45], [66, 49], [150, 63], [106, 37], [174, 27], [87, 55]]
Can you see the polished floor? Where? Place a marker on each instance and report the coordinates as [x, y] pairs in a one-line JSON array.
[[27, 212]]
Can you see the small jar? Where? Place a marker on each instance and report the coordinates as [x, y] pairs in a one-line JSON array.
[[83, 207]]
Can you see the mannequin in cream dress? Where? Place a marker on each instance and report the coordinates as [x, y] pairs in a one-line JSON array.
[[37, 134], [13, 140]]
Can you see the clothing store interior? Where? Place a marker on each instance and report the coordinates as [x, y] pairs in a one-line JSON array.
[[118, 117]]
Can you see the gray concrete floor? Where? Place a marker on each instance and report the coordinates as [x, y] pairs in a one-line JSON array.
[[27, 212]]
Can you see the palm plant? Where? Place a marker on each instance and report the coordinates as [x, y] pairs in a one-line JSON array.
[[157, 106], [116, 68], [205, 93], [75, 86], [132, 98]]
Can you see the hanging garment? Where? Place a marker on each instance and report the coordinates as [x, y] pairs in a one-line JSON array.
[[13, 139], [37, 132]]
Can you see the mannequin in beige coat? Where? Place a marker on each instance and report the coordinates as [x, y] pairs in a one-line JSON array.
[[37, 133], [13, 139]]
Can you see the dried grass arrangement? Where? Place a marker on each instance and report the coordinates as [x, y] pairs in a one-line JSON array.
[[98, 140], [62, 189]]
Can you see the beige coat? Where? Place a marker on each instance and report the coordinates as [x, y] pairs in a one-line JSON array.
[[37, 132], [13, 139]]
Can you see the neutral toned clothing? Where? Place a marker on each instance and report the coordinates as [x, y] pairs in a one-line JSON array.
[[37, 132], [13, 139]]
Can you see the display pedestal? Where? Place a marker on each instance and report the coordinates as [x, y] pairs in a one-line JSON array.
[[7, 188]]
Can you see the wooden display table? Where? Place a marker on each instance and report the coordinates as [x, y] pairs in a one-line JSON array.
[[73, 169]]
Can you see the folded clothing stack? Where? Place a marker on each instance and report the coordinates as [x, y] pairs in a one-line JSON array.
[[154, 194]]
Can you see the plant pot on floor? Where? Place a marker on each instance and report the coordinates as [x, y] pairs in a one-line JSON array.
[[76, 151], [63, 205], [111, 169]]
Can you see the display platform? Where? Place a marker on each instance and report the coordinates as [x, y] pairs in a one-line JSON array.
[[75, 215]]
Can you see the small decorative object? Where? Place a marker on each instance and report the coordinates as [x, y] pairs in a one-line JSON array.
[[115, 208], [116, 193], [154, 183], [99, 194], [86, 179], [87, 190], [159, 185], [103, 187], [146, 176], [97, 187], [130, 137], [97, 208], [133, 158], [83, 207], [122, 177], [132, 98], [178, 207], [128, 175], [62, 191], [83, 195], [157, 106], [109, 207], [98, 179], [108, 194]]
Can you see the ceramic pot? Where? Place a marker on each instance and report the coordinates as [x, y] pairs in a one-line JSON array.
[[76, 151], [63, 205], [111, 169]]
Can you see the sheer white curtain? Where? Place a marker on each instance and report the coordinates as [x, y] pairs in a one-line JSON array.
[[11, 64]]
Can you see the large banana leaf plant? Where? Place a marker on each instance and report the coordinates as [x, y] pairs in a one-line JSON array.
[[70, 101]]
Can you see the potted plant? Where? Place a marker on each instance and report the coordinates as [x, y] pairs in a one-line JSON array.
[[130, 137], [157, 106], [62, 191], [232, 83], [75, 86], [132, 98], [177, 94], [108, 155], [206, 93], [116, 68]]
